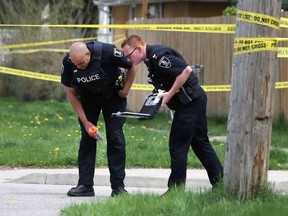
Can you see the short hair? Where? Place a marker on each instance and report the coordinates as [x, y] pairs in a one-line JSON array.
[[133, 41]]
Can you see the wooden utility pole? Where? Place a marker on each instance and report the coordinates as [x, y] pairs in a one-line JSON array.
[[251, 101]]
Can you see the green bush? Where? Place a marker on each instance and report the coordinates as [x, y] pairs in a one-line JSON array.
[[230, 11]]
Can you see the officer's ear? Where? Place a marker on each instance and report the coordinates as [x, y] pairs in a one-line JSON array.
[[88, 54]]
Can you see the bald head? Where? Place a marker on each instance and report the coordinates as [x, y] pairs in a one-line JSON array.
[[79, 55], [78, 48]]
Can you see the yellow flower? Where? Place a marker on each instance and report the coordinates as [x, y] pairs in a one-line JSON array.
[[59, 117], [46, 119], [69, 135]]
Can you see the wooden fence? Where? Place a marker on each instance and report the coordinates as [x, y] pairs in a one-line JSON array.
[[214, 51]]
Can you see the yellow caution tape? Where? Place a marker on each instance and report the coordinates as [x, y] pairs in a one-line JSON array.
[[56, 42], [282, 52], [144, 87], [283, 22], [216, 88], [44, 43], [257, 18], [28, 51], [281, 85], [256, 47], [29, 74], [208, 28], [148, 87], [246, 45]]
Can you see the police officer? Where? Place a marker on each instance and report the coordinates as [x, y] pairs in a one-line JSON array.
[[168, 71], [89, 73]]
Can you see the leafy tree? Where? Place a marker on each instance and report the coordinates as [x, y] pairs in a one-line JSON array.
[[41, 12]]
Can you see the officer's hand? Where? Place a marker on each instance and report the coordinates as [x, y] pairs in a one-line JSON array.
[[88, 125], [122, 93], [166, 96]]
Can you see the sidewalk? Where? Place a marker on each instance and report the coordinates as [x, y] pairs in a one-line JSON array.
[[147, 178], [43, 191]]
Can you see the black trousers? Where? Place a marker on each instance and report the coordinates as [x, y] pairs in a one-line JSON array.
[[189, 129], [116, 152]]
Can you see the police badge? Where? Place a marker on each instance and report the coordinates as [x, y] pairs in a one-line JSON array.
[[164, 62]]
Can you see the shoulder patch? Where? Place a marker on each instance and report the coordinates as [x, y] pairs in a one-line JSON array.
[[118, 53], [164, 62]]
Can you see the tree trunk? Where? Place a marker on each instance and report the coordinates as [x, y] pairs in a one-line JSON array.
[[251, 107]]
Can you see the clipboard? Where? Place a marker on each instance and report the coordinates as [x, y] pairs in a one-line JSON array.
[[148, 110]]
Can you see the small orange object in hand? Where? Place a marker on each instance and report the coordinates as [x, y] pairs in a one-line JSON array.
[[96, 134]]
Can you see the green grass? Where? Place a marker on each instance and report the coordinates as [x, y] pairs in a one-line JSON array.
[[208, 203], [47, 134]]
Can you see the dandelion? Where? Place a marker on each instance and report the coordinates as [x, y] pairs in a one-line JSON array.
[[46, 119], [143, 126], [279, 165], [59, 117], [76, 131], [38, 122], [68, 135], [221, 144], [37, 117], [56, 149]]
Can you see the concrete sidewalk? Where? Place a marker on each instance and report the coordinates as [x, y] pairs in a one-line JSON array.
[[43, 191], [147, 178]]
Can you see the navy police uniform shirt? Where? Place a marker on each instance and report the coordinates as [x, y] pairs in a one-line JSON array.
[[164, 65], [95, 79]]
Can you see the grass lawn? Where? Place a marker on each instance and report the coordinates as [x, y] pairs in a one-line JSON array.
[[46, 134], [208, 203]]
